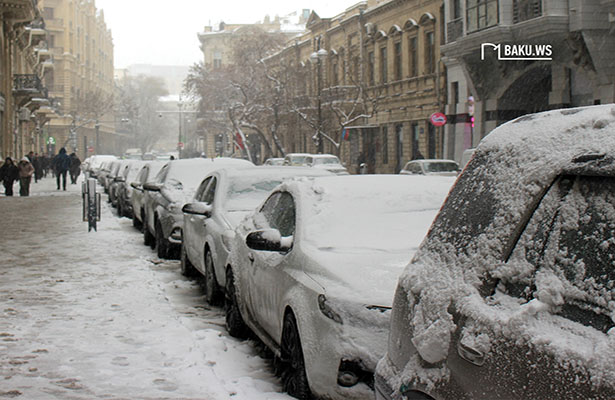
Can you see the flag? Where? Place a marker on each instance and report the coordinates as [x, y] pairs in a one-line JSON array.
[[239, 141], [345, 134]]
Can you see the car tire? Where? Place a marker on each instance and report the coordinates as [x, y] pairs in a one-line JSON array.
[[294, 377], [187, 268], [148, 238], [120, 209], [213, 291], [162, 244], [135, 221], [235, 324]]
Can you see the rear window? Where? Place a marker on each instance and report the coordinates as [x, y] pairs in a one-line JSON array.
[[568, 251]]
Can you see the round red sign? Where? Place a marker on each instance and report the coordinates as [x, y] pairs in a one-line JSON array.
[[438, 119]]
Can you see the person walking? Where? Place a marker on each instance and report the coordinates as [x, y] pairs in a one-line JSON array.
[[8, 174], [38, 167], [61, 165], [25, 176], [75, 168]]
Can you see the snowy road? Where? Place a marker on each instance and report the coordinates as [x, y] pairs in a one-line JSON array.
[[97, 315]]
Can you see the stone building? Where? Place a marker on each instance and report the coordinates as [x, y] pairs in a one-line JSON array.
[[82, 80], [493, 88], [23, 60], [380, 57]]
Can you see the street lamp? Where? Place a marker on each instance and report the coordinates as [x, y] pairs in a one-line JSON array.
[[316, 58], [179, 139]]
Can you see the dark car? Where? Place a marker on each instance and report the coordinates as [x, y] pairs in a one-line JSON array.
[[124, 190], [175, 185], [512, 293]]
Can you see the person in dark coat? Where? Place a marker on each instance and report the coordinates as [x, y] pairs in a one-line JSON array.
[[38, 167], [61, 165], [75, 170], [9, 173]]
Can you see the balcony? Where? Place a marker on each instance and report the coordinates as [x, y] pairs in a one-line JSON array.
[[18, 10], [26, 87], [54, 24]]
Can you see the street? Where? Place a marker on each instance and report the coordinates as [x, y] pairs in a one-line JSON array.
[[98, 315]]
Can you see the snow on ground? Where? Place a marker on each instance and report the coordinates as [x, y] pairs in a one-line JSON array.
[[97, 315]]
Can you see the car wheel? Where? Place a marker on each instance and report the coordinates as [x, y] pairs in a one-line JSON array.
[[162, 245], [294, 377], [187, 268], [120, 209], [235, 325], [213, 292], [135, 221], [148, 238]]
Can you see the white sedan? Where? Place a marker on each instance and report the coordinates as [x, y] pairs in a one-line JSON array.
[[222, 200], [313, 273]]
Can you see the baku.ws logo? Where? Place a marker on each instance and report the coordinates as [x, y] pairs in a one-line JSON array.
[[515, 52]]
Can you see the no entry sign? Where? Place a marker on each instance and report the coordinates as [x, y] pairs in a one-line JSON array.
[[438, 119]]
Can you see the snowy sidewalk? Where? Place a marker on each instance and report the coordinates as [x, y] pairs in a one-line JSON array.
[[97, 315]]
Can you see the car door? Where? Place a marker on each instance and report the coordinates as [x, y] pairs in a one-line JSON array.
[[201, 223], [561, 267], [153, 198], [137, 193], [192, 226], [268, 275]]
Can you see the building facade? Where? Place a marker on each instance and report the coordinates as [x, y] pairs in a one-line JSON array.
[[23, 60], [488, 87], [372, 78], [82, 80]]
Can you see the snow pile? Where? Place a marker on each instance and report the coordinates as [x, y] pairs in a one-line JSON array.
[[512, 167]]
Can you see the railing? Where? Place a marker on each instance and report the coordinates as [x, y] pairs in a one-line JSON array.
[[454, 30], [28, 84], [54, 23]]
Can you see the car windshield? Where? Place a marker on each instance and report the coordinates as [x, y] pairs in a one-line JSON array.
[[326, 160], [441, 166], [297, 160], [247, 193]]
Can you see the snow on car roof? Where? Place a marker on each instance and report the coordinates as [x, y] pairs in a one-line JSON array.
[[511, 167]]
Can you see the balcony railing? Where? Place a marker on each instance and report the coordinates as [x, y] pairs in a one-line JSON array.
[[28, 84], [454, 30]]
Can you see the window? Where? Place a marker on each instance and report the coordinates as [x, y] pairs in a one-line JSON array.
[[279, 212], [385, 145], [456, 9], [455, 92], [335, 72], [210, 193], [383, 65], [397, 62], [481, 14], [415, 142], [217, 59], [370, 67], [430, 53], [412, 56], [47, 13], [524, 10]]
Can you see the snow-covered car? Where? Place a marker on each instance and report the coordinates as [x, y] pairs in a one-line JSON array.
[[431, 167], [274, 161], [91, 165], [124, 191], [313, 272], [222, 200], [511, 295], [326, 161], [175, 185], [145, 174], [296, 159], [115, 179]]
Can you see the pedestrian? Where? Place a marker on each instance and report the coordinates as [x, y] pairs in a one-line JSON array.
[[8, 174], [25, 176], [75, 168], [61, 165], [30, 156], [38, 167]]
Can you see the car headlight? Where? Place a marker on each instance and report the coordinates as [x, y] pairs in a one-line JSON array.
[[327, 310]]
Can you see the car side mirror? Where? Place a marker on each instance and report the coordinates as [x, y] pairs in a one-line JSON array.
[[119, 179], [135, 185], [197, 209], [268, 240], [152, 187]]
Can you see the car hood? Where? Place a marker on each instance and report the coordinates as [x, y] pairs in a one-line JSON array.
[[365, 276]]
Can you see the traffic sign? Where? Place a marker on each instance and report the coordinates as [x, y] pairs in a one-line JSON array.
[[91, 149], [180, 145], [51, 140], [437, 119]]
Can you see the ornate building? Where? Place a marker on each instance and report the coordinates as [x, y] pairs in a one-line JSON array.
[[82, 80], [487, 88]]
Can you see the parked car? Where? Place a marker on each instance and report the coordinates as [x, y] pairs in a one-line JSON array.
[[222, 200], [296, 159], [327, 161], [125, 190], [92, 164], [466, 156], [274, 161], [115, 178], [313, 271], [175, 185], [431, 167], [146, 174], [511, 295]]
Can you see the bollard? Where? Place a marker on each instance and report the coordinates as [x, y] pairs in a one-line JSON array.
[[91, 203]]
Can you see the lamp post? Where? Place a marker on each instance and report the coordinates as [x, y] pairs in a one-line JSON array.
[[179, 139], [316, 58]]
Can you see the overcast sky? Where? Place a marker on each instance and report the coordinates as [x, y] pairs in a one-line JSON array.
[[164, 32]]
